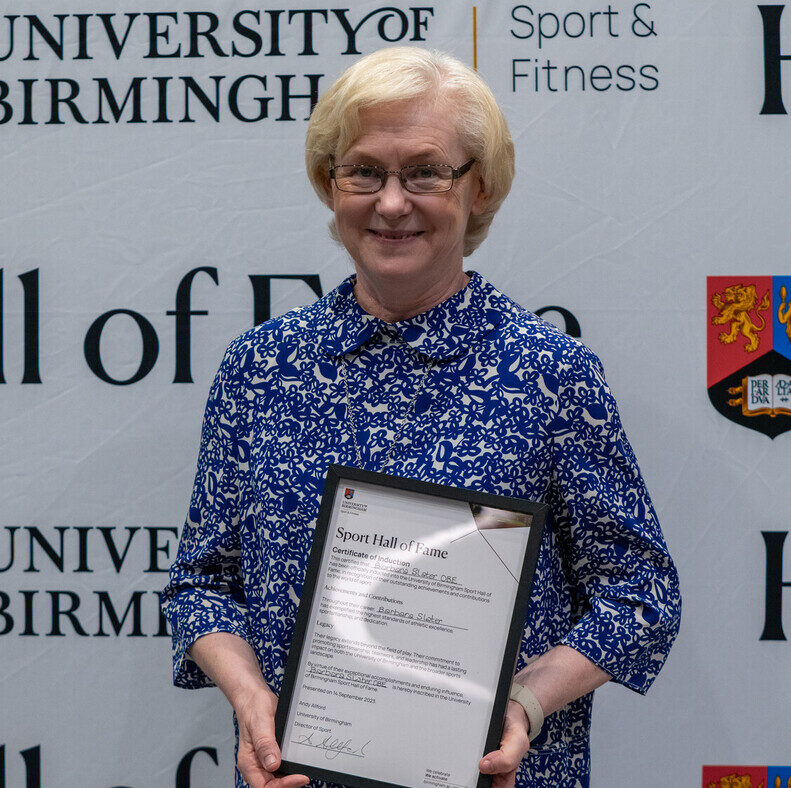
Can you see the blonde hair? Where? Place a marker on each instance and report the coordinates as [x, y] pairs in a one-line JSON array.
[[402, 74]]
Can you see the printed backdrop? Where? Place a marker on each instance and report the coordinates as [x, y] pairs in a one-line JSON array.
[[153, 204]]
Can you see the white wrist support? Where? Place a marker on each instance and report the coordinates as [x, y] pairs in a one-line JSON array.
[[535, 714]]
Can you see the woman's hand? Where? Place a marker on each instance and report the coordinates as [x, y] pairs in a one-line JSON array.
[[230, 662], [259, 755], [503, 763]]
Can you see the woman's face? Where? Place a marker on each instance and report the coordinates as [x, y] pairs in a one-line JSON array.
[[394, 234]]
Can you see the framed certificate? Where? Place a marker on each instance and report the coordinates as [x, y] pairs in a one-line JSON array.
[[407, 632]]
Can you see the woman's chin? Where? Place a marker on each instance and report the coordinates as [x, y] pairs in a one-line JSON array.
[[402, 267]]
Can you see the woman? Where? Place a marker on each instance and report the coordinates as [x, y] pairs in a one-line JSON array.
[[414, 367]]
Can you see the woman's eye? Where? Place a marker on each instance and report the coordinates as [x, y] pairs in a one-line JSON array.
[[425, 173], [365, 172]]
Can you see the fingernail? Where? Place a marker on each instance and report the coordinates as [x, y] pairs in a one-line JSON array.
[[270, 761]]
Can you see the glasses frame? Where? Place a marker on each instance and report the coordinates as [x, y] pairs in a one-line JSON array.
[[456, 173]]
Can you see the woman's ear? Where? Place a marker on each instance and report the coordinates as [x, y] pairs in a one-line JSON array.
[[328, 190], [481, 200]]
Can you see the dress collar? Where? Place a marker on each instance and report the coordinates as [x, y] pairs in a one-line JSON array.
[[444, 331]]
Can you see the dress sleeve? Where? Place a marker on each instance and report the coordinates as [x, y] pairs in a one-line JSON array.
[[624, 582], [206, 592]]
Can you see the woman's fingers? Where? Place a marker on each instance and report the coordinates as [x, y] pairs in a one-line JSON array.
[[504, 780], [291, 781], [500, 762], [263, 779], [513, 746], [251, 769], [256, 775], [259, 755], [265, 745]]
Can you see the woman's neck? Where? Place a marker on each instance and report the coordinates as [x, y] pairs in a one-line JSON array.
[[393, 303]]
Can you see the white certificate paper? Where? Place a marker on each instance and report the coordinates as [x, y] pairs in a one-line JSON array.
[[402, 652]]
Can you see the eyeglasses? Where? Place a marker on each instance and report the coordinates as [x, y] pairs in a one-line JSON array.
[[415, 178]]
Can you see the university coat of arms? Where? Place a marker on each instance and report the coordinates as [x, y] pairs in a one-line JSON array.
[[749, 350]]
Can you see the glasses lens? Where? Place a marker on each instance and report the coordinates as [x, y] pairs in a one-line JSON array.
[[358, 178], [428, 178]]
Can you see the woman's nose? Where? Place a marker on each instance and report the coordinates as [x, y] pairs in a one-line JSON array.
[[393, 198]]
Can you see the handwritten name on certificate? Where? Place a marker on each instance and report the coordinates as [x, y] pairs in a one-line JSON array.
[[403, 651]]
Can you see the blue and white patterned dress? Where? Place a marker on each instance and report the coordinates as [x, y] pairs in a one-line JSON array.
[[511, 405]]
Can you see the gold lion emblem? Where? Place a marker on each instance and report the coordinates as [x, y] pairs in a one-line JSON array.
[[736, 781], [784, 312], [735, 304], [743, 781]]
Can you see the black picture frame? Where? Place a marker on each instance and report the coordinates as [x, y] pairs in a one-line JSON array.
[[338, 473]]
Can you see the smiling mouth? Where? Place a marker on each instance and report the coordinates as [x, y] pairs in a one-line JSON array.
[[395, 235]]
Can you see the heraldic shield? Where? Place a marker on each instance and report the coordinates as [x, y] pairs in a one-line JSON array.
[[749, 350]]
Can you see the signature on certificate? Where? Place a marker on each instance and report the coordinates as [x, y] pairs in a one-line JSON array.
[[333, 746]]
